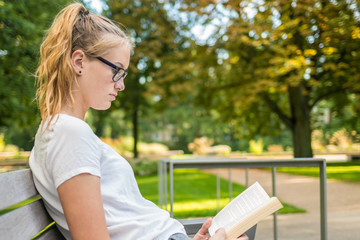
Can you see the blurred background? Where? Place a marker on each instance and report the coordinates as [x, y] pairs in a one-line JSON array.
[[206, 77]]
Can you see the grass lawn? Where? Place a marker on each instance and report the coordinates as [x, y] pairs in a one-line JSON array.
[[343, 171], [195, 193]]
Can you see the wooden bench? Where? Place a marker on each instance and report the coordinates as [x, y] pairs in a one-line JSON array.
[[23, 214]]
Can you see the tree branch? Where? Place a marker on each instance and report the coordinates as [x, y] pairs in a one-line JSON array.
[[275, 108], [327, 94]]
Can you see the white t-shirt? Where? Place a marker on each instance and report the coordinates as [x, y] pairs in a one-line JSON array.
[[68, 148]]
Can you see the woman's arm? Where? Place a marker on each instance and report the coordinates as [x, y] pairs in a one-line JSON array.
[[81, 200]]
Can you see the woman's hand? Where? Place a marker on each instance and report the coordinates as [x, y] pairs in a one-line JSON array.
[[219, 235], [243, 237], [201, 234]]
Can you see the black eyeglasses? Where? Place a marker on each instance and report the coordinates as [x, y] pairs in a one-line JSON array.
[[118, 71]]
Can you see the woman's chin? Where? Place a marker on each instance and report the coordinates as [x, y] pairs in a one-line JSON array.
[[104, 107]]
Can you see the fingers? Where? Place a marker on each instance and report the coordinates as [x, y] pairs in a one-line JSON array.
[[219, 235], [243, 237], [201, 234], [204, 228]]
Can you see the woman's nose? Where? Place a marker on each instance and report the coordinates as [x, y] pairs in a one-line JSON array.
[[120, 85]]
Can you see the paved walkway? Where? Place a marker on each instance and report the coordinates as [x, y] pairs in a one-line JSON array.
[[343, 205]]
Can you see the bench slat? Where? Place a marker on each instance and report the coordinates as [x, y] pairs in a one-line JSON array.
[[24, 222], [51, 234], [16, 187], [192, 226]]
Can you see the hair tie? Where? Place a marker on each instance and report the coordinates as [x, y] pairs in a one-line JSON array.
[[83, 14]]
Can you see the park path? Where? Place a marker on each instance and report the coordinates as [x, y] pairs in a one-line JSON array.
[[343, 205]]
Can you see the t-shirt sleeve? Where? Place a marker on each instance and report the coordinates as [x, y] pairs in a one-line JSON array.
[[74, 150]]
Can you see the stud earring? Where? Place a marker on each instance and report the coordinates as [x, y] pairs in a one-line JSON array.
[[79, 71]]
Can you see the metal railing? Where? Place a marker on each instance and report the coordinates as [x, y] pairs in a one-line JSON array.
[[166, 191]]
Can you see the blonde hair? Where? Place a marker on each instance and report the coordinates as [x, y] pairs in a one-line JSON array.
[[73, 28]]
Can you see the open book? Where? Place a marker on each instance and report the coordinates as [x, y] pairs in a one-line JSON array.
[[244, 211]]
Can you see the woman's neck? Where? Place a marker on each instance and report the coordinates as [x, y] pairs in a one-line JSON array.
[[69, 109]]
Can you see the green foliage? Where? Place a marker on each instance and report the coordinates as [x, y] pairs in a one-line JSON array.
[[275, 148], [180, 124], [2, 143], [22, 25], [152, 148], [276, 62], [335, 119], [339, 140], [254, 76], [11, 148], [202, 146], [342, 139], [219, 150], [256, 146], [123, 145], [144, 166], [155, 58], [318, 140]]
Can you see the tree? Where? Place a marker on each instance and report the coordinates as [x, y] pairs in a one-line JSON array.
[[157, 55], [181, 124], [276, 60], [22, 25]]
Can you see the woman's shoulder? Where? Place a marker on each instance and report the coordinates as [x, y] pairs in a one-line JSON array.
[[71, 125]]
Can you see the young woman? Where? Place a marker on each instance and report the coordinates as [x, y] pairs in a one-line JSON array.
[[88, 189]]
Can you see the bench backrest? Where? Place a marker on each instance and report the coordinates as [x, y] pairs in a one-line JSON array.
[[22, 212]]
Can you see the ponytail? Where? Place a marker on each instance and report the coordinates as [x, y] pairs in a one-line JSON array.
[[73, 28]]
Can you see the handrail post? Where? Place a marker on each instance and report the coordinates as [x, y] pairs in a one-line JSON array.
[[274, 194], [165, 185], [217, 190], [323, 205], [171, 189], [160, 184], [247, 177], [230, 185]]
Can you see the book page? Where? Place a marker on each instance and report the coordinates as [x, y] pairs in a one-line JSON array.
[[239, 208]]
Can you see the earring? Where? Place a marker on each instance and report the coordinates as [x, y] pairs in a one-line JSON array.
[[79, 71]]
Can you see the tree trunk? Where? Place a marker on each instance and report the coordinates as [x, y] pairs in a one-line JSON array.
[[135, 131], [300, 118]]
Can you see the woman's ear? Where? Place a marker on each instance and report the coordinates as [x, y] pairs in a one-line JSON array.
[[77, 61]]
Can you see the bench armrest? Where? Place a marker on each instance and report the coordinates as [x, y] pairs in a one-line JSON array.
[[193, 225]]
